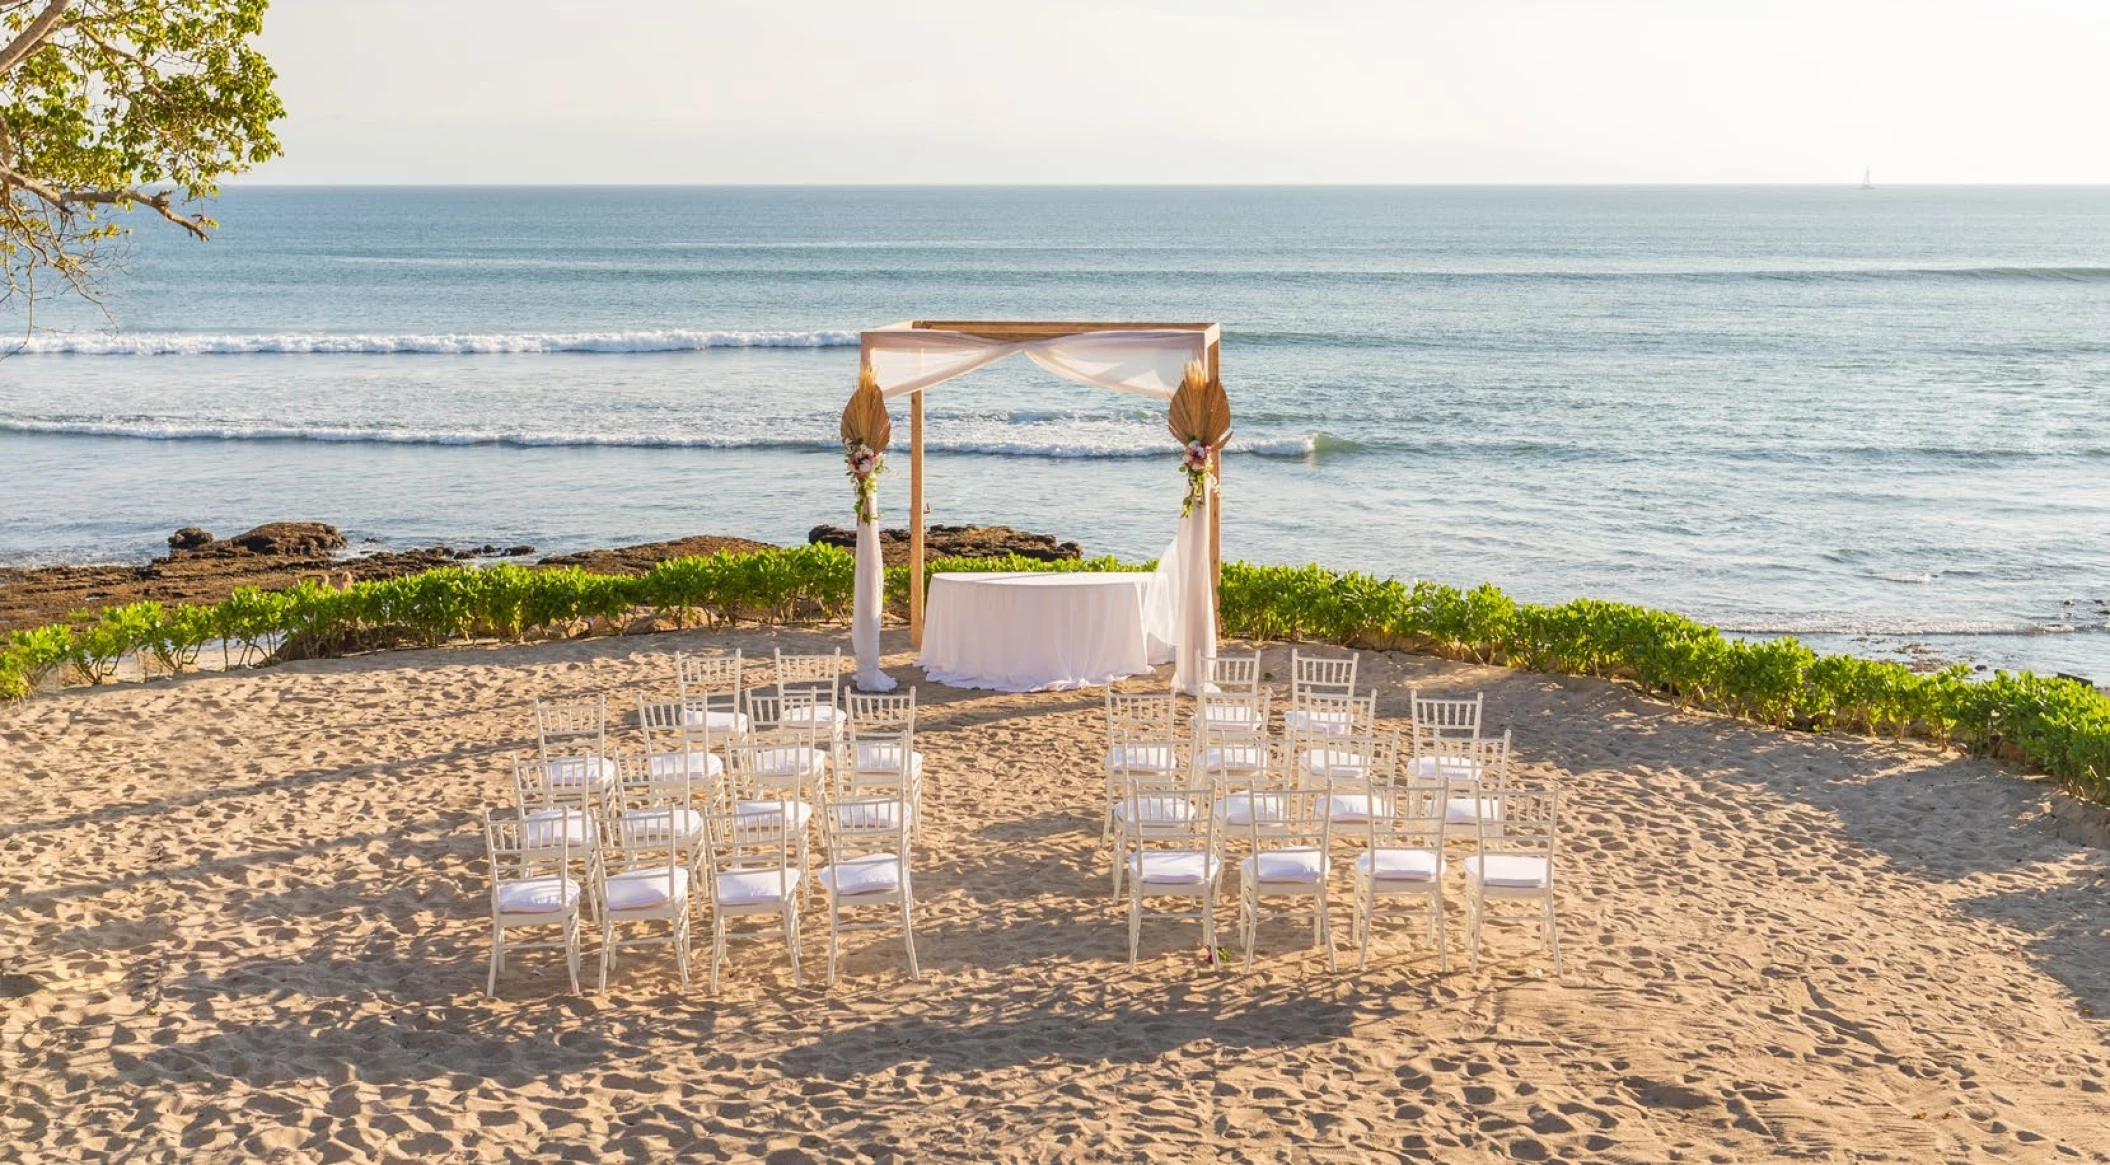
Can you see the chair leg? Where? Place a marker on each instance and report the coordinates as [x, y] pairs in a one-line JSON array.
[[1209, 927], [834, 911], [1135, 924], [1553, 935], [908, 935], [1248, 922], [1443, 950], [1333, 959], [498, 948], [717, 947], [607, 949], [681, 946], [791, 939]]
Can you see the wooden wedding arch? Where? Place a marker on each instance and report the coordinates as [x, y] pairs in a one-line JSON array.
[[1021, 332]]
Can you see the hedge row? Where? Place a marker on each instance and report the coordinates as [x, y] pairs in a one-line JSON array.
[[2060, 726]]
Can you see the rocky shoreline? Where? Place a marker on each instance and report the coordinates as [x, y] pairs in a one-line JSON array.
[[202, 569]]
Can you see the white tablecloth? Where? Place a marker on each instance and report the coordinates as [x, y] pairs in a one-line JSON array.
[[1031, 632]]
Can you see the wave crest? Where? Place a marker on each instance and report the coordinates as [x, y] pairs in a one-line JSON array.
[[439, 344]]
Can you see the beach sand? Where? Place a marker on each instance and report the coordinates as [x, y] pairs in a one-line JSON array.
[[245, 915]]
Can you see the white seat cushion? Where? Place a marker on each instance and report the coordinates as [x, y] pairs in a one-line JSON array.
[[1306, 720], [647, 889], [1143, 758], [1173, 867], [872, 874], [1355, 808], [648, 825], [1466, 810], [1509, 871], [886, 758], [753, 887], [1333, 762], [768, 814], [572, 772], [715, 721], [1155, 809], [1234, 758], [537, 895], [824, 715], [698, 765], [1242, 808], [1399, 865], [876, 814], [552, 828], [1450, 768], [1303, 866], [790, 760]]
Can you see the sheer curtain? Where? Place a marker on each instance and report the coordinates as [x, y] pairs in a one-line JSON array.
[[1179, 614]]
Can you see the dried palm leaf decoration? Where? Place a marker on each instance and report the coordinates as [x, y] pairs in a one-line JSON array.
[[865, 420], [1200, 412]]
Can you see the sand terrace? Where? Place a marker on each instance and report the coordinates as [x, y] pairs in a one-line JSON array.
[[245, 914]]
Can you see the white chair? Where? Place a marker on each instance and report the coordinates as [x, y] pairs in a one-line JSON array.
[[1153, 802], [678, 742], [1318, 717], [1291, 860], [571, 737], [750, 869], [558, 822], [642, 878], [1517, 865], [1402, 863], [1357, 773], [1234, 673], [809, 685], [1433, 721], [1231, 732], [660, 800], [530, 887], [868, 865], [775, 783], [1470, 768], [879, 749], [1140, 738], [783, 753], [710, 690], [1182, 863]]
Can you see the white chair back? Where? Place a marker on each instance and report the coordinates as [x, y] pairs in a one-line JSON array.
[[1320, 675], [1235, 673], [1437, 718], [571, 727]]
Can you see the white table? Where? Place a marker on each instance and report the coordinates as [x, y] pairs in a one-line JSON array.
[[1034, 632]]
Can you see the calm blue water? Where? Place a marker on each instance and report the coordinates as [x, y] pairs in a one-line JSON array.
[[1872, 418]]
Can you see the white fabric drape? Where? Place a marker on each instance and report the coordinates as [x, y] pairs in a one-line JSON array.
[[1179, 617], [1194, 583], [868, 597], [1148, 362]]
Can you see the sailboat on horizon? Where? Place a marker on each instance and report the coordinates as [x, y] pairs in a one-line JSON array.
[[1868, 180]]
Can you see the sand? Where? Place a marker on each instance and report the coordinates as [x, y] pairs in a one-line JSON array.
[[244, 916]]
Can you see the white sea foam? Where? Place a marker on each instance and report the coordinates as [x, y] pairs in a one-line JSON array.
[[1049, 442], [442, 344], [1899, 628]]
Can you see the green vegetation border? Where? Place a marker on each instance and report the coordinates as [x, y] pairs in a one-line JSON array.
[[2059, 726]]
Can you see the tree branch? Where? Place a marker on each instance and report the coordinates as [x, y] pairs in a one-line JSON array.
[[32, 36], [162, 202]]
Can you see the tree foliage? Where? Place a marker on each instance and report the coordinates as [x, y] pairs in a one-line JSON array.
[[111, 105]]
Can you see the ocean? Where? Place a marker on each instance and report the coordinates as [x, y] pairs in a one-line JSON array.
[[1878, 420]]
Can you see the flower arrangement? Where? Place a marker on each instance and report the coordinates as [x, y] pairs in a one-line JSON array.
[[1201, 477], [1200, 417], [865, 464], [865, 432]]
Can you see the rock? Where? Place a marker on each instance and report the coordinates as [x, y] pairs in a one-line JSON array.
[[288, 540], [190, 538], [641, 558], [520, 551], [956, 542]]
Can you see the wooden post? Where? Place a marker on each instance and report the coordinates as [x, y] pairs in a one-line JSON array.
[[915, 519], [1216, 508]]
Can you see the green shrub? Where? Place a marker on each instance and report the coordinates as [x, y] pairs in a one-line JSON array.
[[2059, 726]]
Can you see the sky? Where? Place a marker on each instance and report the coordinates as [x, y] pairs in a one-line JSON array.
[[1190, 91]]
